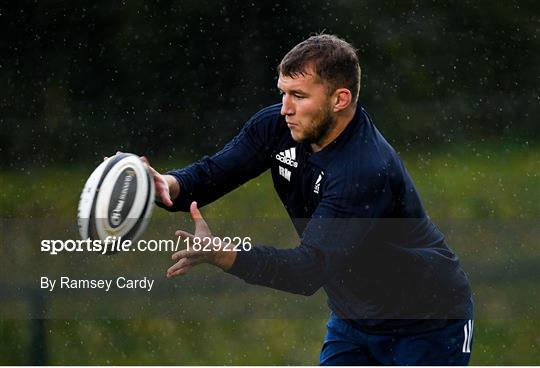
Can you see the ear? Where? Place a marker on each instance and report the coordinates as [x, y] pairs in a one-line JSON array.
[[342, 99]]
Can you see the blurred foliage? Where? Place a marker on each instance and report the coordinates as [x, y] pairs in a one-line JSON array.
[[80, 80], [455, 181]]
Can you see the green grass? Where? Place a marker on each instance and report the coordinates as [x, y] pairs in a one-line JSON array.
[[483, 181], [248, 342], [474, 184]]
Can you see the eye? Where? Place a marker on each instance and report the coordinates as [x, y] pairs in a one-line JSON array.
[[299, 97]]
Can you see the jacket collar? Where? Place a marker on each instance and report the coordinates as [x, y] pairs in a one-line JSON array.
[[328, 153]]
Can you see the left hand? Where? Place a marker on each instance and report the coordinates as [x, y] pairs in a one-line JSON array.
[[188, 258]]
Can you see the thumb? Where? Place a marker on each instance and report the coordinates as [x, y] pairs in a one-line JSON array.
[[166, 197], [200, 224], [195, 213]]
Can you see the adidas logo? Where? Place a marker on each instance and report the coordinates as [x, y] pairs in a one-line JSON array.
[[288, 157], [285, 173], [318, 183]]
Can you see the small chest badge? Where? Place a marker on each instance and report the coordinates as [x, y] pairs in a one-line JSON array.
[[317, 187]]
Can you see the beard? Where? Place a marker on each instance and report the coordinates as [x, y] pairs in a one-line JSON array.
[[320, 127]]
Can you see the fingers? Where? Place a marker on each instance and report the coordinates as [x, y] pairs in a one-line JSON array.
[[147, 164], [166, 200], [105, 158], [165, 196], [162, 187], [179, 268], [183, 253], [179, 255], [185, 261], [184, 234], [187, 258], [153, 171]]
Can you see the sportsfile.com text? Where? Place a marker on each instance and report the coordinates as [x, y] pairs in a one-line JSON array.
[[112, 244]]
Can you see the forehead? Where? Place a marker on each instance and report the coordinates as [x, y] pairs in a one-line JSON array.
[[307, 80]]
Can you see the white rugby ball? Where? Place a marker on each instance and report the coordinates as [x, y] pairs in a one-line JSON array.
[[117, 199]]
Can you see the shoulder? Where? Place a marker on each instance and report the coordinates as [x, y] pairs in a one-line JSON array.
[[362, 166], [366, 153], [266, 123], [268, 113]]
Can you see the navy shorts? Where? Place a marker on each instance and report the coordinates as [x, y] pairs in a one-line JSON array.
[[346, 345]]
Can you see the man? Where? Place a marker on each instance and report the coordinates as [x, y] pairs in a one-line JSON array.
[[396, 291]]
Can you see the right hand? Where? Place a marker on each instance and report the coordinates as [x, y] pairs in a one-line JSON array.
[[162, 185], [163, 190]]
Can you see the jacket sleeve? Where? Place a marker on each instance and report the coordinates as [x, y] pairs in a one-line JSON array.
[[340, 223], [246, 156]]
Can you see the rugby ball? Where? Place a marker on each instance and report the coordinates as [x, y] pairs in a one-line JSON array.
[[117, 200]]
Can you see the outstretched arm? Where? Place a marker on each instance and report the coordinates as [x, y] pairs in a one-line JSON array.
[[246, 156], [329, 242]]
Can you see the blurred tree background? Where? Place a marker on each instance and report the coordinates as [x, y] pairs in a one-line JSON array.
[[453, 85], [82, 79]]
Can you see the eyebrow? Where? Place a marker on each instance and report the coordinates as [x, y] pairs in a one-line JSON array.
[[293, 91]]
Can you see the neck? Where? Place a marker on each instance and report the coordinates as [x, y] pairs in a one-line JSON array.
[[343, 119]]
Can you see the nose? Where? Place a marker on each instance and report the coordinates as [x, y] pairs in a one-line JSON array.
[[287, 107]]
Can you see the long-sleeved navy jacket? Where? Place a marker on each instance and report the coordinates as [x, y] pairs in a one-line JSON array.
[[365, 237]]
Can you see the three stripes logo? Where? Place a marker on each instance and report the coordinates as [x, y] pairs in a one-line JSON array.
[[288, 157], [468, 332]]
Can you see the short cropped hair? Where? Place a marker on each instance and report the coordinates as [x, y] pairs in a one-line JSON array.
[[333, 60]]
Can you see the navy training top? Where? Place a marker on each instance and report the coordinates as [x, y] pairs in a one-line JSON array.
[[365, 237]]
